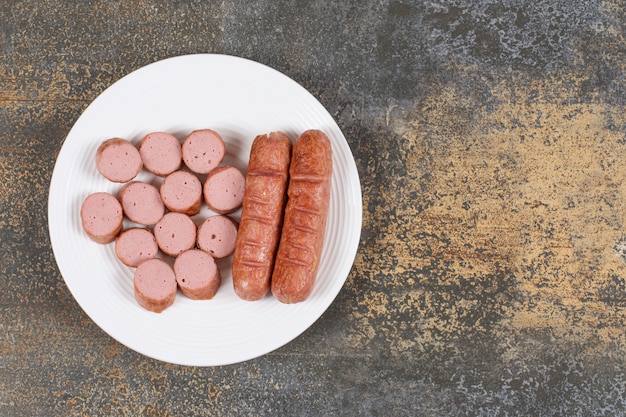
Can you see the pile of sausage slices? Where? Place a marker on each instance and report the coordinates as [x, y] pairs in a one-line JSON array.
[[275, 247]]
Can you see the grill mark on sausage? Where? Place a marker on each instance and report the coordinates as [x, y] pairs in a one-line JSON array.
[[305, 229], [265, 173], [259, 200], [254, 264], [306, 248], [308, 178], [252, 243], [307, 210], [298, 262], [262, 220]]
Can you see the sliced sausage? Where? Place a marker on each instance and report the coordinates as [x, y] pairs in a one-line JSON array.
[[175, 233], [203, 150], [217, 236], [224, 189], [118, 160], [300, 248], [197, 274], [261, 215], [155, 285], [141, 203], [135, 245], [160, 153], [102, 217], [181, 191]]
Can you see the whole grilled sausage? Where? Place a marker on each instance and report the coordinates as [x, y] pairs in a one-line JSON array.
[[261, 215], [302, 237]]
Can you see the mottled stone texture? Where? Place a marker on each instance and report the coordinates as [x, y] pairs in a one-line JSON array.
[[490, 139]]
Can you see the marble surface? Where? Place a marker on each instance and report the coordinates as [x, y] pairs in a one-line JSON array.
[[489, 137]]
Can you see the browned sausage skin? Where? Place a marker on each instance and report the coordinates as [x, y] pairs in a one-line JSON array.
[[261, 215], [300, 248]]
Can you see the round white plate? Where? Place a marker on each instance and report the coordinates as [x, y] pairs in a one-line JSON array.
[[240, 99]]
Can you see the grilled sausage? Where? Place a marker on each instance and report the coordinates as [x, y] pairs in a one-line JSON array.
[[302, 237], [261, 215]]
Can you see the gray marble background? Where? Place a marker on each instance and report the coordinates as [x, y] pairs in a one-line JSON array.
[[489, 138]]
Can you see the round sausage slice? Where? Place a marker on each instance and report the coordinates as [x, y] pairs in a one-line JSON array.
[[135, 245], [118, 160], [142, 203], [181, 191], [102, 217], [160, 153], [175, 233], [155, 285], [203, 150], [197, 274], [224, 189], [217, 235]]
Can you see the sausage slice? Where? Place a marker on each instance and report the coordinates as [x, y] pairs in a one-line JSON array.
[[102, 217], [160, 153], [223, 189], [135, 245], [203, 150], [181, 191], [175, 233], [217, 235], [155, 285], [118, 160], [141, 203], [197, 274]]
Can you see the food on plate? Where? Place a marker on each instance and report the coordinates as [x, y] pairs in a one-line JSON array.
[[277, 245], [197, 274], [224, 189], [217, 236], [175, 233], [155, 285], [102, 217], [261, 215], [181, 191], [118, 160], [304, 224], [135, 245], [203, 150], [141, 202], [160, 153]]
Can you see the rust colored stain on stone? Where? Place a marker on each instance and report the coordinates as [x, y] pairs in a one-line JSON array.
[[515, 216]]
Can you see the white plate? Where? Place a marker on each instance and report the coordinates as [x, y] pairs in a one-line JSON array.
[[240, 99]]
